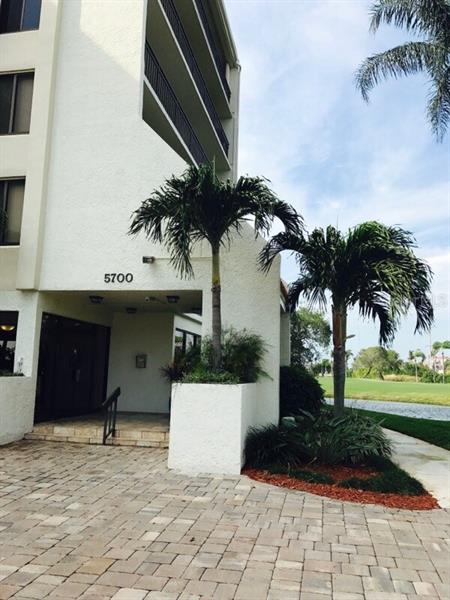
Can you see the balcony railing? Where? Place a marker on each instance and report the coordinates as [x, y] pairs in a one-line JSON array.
[[180, 34], [217, 53], [168, 99]]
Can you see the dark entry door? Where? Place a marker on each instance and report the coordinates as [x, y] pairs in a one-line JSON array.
[[72, 369]]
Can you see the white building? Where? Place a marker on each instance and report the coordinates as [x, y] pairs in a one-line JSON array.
[[101, 101]]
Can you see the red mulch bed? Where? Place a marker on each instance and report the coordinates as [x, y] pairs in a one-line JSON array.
[[332, 490]]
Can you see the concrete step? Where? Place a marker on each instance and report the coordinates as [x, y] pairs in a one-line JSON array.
[[131, 430], [98, 439]]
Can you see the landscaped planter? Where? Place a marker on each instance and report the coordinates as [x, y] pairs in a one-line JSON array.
[[208, 425], [16, 408]]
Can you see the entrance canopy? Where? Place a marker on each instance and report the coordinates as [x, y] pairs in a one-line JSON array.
[[95, 341]]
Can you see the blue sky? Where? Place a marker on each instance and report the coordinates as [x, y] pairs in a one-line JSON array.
[[339, 161]]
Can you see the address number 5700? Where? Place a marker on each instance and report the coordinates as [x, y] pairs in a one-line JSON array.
[[118, 277]]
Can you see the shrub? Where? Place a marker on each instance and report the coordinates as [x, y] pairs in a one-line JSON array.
[[309, 476], [182, 364], [299, 390], [242, 354], [273, 445], [202, 374], [351, 439], [391, 480]]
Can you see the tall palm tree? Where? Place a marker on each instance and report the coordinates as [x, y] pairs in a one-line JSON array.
[[199, 206], [430, 54], [372, 267]]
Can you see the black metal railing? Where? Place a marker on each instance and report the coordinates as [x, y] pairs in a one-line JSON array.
[[168, 99], [180, 34], [217, 53], [110, 409]]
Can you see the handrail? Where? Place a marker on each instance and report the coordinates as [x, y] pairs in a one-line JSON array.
[[217, 53], [110, 407], [168, 99], [180, 34]]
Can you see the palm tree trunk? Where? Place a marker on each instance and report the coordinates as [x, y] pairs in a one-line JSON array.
[[339, 338], [216, 310]]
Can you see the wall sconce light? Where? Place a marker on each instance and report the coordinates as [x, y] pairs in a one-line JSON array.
[[96, 299], [7, 327], [148, 260], [172, 299]]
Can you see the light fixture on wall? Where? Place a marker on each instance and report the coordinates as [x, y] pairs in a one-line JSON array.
[[96, 299], [148, 260], [7, 327], [172, 299]]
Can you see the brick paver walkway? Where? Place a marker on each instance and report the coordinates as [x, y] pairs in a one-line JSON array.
[[92, 522]]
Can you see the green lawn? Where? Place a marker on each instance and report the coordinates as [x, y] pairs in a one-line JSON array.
[[434, 432], [395, 391]]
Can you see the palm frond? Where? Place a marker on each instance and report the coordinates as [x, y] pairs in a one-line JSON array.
[[407, 59], [199, 206], [429, 17], [438, 109], [279, 243]]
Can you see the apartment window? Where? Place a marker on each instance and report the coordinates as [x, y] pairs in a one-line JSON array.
[[11, 206], [19, 15], [16, 94], [8, 333]]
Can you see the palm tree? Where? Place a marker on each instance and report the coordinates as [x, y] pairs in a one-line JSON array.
[[430, 54], [198, 206], [372, 267], [413, 355]]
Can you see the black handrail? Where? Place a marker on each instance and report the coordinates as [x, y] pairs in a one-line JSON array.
[[110, 409], [166, 95], [180, 34], [217, 53]]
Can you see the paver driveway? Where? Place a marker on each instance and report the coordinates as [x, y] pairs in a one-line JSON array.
[[79, 521]]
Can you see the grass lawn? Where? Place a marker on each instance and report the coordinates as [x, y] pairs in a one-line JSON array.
[[395, 391], [434, 432]]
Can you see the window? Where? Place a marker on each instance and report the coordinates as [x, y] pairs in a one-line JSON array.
[[16, 93], [8, 332], [19, 15], [11, 205], [185, 340]]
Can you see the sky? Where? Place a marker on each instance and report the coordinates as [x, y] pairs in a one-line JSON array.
[[336, 159]]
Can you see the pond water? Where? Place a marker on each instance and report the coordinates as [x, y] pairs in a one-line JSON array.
[[407, 409]]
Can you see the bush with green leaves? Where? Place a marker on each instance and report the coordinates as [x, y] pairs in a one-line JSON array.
[[242, 356], [273, 445], [390, 480], [202, 374], [181, 365], [304, 475], [349, 440], [299, 390]]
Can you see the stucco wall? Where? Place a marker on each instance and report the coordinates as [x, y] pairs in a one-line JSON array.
[[143, 390], [16, 407], [27, 155], [208, 425], [99, 132]]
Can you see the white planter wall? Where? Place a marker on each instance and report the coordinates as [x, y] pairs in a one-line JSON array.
[[208, 425], [16, 408]]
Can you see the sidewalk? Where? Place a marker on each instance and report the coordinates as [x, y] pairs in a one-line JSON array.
[[427, 463]]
